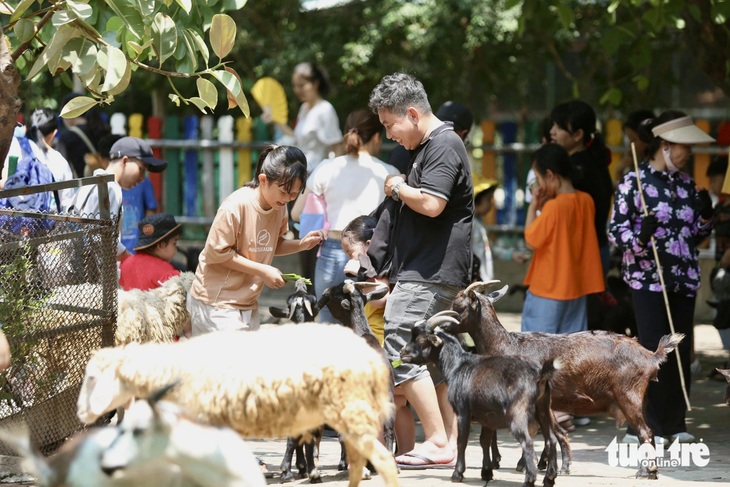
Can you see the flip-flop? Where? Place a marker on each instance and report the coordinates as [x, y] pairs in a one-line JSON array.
[[427, 463]]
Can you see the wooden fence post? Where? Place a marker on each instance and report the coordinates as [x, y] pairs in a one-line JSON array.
[[154, 131], [243, 134]]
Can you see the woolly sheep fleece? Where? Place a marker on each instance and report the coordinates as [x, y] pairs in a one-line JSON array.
[[245, 380]]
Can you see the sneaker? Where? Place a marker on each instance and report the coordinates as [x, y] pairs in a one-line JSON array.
[[633, 439], [683, 437], [581, 420]]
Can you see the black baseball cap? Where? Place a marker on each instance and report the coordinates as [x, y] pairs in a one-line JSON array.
[[139, 149], [453, 111]]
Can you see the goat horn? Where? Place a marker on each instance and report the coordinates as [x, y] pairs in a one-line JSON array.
[[439, 319], [479, 287]]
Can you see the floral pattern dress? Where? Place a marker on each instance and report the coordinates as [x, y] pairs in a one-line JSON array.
[[672, 197]]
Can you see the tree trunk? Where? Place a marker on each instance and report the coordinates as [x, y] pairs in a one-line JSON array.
[[9, 100]]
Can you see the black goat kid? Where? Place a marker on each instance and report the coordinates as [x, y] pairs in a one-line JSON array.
[[301, 307], [346, 301], [497, 392]]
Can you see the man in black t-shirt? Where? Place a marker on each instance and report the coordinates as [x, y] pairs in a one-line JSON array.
[[430, 247]]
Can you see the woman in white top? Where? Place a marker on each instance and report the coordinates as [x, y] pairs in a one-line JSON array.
[[317, 129], [43, 125], [352, 185]]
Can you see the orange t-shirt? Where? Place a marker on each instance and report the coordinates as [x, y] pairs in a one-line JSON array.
[[566, 263]]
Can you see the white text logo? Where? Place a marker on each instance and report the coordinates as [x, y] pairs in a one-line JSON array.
[[677, 455]]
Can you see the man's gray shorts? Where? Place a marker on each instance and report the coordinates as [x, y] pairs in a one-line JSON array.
[[408, 303]]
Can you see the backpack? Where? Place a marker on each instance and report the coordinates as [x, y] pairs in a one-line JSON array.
[[30, 172]]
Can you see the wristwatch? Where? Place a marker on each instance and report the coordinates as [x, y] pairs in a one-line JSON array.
[[396, 190]]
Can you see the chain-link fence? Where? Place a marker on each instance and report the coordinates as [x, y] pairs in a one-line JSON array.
[[58, 302]]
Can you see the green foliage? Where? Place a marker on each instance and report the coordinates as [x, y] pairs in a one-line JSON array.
[[104, 42], [19, 300]]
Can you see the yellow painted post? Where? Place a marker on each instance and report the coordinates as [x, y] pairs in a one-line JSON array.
[[243, 134], [489, 158], [136, 120], [614, 137]]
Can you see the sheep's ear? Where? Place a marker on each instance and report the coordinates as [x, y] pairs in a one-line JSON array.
[[278, 312], [100, 399], [497, 295]]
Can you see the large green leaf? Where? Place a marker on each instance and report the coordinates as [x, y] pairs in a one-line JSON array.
[[25, 30], [164, 38], [52, 52], [186, 50], [207, 92], [198, 102], [131, 18], [185, 4], [78, 106], [231, 81], [21, 9], [115, 66], [62, 17], [222, 34], [81, 9], [197, 40]]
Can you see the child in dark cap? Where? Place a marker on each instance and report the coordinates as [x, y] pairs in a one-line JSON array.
[[157, 245]]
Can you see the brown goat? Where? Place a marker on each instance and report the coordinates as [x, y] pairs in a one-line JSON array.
[[602, 372]]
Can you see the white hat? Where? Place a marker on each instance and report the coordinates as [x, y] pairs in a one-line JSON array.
[[681, 131]]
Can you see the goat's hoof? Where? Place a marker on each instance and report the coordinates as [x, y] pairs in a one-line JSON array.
[[494, 464], [520, 466], [286, 477], [564, 471], [487, 474], [457, 477], [541, 465], [315, 478]]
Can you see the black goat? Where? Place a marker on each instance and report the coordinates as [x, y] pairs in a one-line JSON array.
[[603, 372], [497, 392], [346, 301], [301, 307]]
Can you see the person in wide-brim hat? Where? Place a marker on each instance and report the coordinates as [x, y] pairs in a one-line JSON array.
[[659, 218], [157, 245]]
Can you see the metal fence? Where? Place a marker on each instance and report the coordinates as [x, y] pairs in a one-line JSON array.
[[58, 302]]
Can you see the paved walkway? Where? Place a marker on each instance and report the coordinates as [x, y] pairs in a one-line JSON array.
[[709, 420]]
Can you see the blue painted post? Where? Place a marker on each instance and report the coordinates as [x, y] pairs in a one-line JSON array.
[[510, 184], [190, 185]]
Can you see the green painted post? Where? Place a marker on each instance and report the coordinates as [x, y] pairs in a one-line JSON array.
[[173, 181]]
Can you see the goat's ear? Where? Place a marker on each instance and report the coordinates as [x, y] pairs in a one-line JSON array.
[[376, 294], [278, 312], [497, 295], [345, 304], [436, 341], [324, 299]]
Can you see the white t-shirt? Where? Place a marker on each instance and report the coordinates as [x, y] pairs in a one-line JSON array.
[[86, 203], [352, 186], [316, 130], [61, 170]]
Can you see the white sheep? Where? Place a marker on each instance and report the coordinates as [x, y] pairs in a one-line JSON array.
[[156, 315], [154, 447], [245, 381]]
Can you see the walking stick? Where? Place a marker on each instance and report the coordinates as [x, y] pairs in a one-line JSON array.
[[661, 279]]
